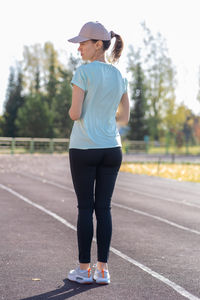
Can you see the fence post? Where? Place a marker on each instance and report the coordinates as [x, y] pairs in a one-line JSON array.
[[51, 146], [158, 166], [13, 146], [146, 140], [32, 146]]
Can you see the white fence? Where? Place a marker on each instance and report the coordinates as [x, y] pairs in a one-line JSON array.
[[31, 145], [46, 145], [19, 145]]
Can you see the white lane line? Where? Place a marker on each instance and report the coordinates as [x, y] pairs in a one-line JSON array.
[[121, 206], [157, 218], [179, 289], [60, 219], [184, 202], [43, 180]]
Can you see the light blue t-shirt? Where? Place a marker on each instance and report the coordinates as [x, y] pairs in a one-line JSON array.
[[104, 86]]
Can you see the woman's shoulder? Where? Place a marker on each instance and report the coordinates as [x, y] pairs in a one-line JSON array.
[[95, 66], [117, 70], [83, 69], [80, 68]]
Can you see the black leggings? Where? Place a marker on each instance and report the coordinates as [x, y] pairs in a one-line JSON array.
[[94, 172]]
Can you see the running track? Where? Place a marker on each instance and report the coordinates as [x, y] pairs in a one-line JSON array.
[[155, 251]]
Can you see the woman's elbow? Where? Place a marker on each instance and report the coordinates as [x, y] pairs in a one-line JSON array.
[[74, 115], [128, 118], [125, 119]]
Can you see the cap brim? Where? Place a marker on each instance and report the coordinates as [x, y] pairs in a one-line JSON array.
[[78, 39]]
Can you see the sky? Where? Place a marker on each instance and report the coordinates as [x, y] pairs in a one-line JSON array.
[[28, 22]]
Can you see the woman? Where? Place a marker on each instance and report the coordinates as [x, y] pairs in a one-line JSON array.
[[99, 100]]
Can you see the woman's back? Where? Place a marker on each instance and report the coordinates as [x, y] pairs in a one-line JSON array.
[[103, 86]]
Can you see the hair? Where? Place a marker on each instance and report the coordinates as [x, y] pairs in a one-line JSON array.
[[117, 48]]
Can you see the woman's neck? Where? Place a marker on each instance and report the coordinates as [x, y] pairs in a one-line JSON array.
[[99, 58]]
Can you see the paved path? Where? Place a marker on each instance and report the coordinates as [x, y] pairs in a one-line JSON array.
[[155, 250]]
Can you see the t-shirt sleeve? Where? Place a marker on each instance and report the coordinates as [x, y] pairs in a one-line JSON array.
[[79, 79], [125, 85]]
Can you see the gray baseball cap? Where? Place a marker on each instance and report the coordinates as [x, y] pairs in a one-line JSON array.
[[92, 30]]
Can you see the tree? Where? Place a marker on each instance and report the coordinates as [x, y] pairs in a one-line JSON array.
[[73, 63], [188, 130], [38, 106], [52, 65], [33, 69], [197, 129], [159, 80], [37, 80], [137, 123], [175, 122], [40, 68], [14, 100], [175, 119], [1, 125], [198, 95], [158, 83], [34, 119], [62, 102], [46, 76]]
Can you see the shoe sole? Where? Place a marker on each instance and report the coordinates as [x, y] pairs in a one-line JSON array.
[[87, 282], [102, 283]]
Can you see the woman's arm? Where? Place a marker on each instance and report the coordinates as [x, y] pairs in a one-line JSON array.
[[123, 112], [77, 103]]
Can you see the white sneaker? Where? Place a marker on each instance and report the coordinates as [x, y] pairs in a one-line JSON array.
[[81, 276], [102, 277]]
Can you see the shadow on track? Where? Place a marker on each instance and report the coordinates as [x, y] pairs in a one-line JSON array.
[[68, 290]]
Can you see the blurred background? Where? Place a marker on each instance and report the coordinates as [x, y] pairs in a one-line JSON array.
[[160, 60]]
